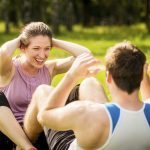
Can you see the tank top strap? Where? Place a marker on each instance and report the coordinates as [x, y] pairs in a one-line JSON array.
[[42, 72], [16, 60], [114, 112], [147, 112]]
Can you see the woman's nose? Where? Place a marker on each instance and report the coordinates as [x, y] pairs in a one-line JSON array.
[[42, 54]]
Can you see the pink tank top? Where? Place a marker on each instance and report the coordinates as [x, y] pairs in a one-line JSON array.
[[19, 91]]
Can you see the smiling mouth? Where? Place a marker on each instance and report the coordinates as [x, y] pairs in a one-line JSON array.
[[40, 62]]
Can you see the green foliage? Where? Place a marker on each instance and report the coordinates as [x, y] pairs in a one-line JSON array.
[[99, 38], [71, 12]]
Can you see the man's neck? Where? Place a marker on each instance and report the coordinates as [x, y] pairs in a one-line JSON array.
[[127, 101]]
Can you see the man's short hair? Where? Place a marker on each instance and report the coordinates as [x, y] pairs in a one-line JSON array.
[[125, 63]]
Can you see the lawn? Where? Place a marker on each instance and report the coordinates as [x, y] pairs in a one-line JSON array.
[[98, 39]]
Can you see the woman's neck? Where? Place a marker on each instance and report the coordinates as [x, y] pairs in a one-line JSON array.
[[27, 68]]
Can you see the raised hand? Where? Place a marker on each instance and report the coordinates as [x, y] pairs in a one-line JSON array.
[[85, 65]]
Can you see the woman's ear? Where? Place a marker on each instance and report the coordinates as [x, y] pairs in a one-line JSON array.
[[22, 47]]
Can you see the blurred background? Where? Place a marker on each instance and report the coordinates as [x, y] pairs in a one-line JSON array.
[[71, 12], [96, 24]]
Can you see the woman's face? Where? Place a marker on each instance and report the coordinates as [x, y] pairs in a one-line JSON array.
[[37, 51]]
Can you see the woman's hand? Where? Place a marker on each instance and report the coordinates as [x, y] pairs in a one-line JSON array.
[[23, 40]]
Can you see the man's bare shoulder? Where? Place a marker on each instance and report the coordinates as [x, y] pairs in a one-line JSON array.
[[92, 109], [92, 123]]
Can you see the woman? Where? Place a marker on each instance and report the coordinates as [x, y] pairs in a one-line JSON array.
[[21, 75]]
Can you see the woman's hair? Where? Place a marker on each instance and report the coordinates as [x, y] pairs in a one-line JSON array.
[[34, 29], [125, 63]]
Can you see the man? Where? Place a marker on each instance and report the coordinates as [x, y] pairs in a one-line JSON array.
[[123, 124]]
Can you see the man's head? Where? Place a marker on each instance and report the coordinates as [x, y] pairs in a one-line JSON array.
[[125, 63]]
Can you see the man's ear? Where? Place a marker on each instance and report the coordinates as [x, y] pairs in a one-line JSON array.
[[108, 77]]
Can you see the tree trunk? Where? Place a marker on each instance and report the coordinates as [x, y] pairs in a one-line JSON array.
[[86, 12], [7, 28], [55, 16], [69, 15], [5, 5], [148, 16], [27, 5]]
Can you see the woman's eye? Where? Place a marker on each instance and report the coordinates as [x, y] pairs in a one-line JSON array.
[[47, 49], [35, 48]]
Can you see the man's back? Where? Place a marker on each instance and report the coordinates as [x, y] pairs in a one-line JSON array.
[[126, 130], [130, 130]]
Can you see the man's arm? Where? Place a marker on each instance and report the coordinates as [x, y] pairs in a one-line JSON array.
[[54, 108], [63, 118], [145, 84]]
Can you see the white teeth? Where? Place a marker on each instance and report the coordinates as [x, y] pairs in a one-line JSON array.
[[39, 60]]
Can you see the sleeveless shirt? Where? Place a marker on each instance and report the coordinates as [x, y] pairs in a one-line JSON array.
[[19, 91], [129, 130]]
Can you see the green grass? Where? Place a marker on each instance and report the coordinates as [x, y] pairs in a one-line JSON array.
[[98, 39]]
